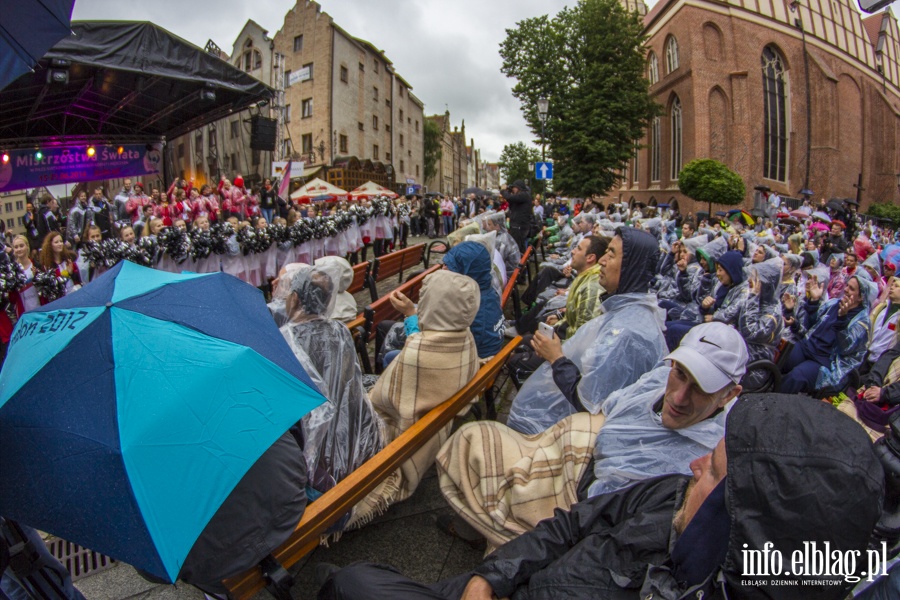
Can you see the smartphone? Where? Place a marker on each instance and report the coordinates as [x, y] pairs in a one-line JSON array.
[[546, 330]]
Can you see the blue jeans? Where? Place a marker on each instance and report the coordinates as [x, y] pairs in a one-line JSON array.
[[448, 224], [268, 213]]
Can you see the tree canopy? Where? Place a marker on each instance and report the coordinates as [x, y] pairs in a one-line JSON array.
[[708, 180], [515, 162], [589, 62]]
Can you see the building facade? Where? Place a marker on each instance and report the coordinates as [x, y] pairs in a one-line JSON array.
[[347, 113], [791, 95], [458, 166]]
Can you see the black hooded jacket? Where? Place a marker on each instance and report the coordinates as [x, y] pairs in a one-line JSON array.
[[640, 255], [798, 470]]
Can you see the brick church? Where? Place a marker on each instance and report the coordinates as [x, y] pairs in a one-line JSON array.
[[791, 95]]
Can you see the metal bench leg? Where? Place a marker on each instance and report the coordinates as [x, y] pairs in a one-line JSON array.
[[278, 581]]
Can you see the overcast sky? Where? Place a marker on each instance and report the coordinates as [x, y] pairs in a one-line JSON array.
[[448, 51]]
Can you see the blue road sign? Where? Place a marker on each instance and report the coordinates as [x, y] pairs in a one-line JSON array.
[[543, 170]]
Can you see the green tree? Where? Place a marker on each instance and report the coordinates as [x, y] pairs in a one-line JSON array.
[[885, 211], [708, 180], [589, 62], [515, 163], [433, 148]]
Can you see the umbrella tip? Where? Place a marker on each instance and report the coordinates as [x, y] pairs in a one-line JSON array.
[[109, 305]]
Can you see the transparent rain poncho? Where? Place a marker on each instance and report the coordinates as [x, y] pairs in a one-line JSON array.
[[633, 445], [341, 434], [611, 351]]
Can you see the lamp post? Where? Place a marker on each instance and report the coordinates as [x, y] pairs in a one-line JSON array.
[[798, 23], [543, 104]]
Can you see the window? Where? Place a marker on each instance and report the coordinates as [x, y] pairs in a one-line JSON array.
[[235, 129], [306, 108], [387, 156], [637, 164], [361, 126], [362, 67], [375, 122], [401, 91], [10, 223], [671, 54], [298, 43], [402, 166], [417, 125], [417, 170], [375, 151], [252, 60], [654, 149], [287, 78], [401, 115], [653, 68], [775, 111], [8, 207], [310, 66], [387, 128], [286, 148], [287, 113], [306, 143], [387, 102], [676, 139], [20, 221], [376, 64], [342, 142], [20, 205], [181, 150], [345, 74], [234, 162], [401, 140], [375, 93]]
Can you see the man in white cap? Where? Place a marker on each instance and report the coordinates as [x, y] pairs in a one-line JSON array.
[[672, 415]]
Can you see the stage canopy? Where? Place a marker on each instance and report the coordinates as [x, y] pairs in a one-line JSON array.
[[116, 81]]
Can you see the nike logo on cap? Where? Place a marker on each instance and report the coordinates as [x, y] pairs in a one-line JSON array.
[[706, 341]]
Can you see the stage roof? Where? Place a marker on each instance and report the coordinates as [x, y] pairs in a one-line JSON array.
[[127, 81]]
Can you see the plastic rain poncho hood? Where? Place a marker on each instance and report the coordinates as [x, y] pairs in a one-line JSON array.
[[633, 444], [343, 433], [472, 259], [611, 351], [344, 302]]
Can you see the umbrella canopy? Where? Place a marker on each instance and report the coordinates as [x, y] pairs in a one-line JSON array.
[[370, 189], [799, 214], [30, 28], [475, 190], [790, 221], [130, 410], [821, 216], [316, 188]]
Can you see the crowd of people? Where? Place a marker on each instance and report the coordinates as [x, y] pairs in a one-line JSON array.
[[633, 462]]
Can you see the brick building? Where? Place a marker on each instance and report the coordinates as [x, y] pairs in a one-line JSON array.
[[346, 110], [791, 95], [458, 166]]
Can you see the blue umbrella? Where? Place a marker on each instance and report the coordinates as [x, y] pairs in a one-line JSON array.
[[130, 410], [28, 30]]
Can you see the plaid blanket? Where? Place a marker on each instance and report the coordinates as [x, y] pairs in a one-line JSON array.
[[503, 482], [432, 366]]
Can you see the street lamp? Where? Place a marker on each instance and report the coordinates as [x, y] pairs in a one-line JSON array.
[[543, 104]]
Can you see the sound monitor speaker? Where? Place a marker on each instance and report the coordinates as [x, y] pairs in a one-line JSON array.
[[262, 133]]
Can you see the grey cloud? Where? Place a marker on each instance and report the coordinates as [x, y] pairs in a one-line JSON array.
[[447, 51]]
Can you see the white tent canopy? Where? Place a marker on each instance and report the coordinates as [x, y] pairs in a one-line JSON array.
[[318, 188], [370, 189]]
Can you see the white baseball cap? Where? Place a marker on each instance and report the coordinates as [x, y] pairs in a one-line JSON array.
[[714, 354]]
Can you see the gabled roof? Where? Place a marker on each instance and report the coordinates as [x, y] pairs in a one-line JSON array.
[[873, 26]]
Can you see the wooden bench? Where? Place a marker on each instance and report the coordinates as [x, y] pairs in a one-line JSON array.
[[510, 287], [382, 309], [394, 263], [360, 276], [523, 262], [336, 502]]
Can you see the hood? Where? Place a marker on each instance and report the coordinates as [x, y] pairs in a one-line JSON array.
[[795, 260], [733, 263], [640, 255], [488, 240], [315, 290], [340, 267], [472, 259], [810, 258], [712, 251], [448, 302], [787, 485], [694, 243], [874, 262], [821, 273], [460, 234], [867, 288], [838, 257], [769, 273]]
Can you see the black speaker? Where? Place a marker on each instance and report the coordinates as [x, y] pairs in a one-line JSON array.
[[262, 133]]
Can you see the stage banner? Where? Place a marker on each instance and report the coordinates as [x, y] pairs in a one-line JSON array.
[[48, 166]]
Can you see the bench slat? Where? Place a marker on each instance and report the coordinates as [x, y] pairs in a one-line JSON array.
[[360, 274], [334, 503]]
